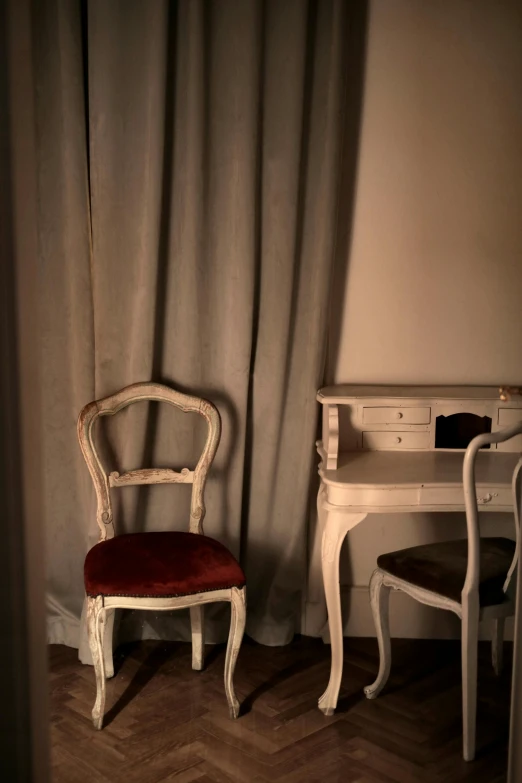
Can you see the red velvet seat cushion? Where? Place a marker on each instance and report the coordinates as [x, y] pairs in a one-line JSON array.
[[160, 565]]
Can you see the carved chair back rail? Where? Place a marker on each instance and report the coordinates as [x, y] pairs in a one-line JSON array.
[[147, 392]]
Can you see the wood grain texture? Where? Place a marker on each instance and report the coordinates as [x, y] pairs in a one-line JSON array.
[[166, 722], [151, 476]]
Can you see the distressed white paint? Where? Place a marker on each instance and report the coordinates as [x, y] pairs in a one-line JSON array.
[[151, 476], [382, 481], [100, 609]]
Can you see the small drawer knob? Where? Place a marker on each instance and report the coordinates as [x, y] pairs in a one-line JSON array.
[[398, 415], [398, 440]]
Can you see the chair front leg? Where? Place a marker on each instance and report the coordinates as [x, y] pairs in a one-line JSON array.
[[380, 603], [197, 625], [497, 645], [95, 631], [237, 628], [470, 628]]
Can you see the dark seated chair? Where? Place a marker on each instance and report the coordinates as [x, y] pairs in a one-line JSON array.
[[471, 578], [157, 571], [441, 567]]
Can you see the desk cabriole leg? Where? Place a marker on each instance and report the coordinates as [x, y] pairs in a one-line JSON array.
[[336, 527]]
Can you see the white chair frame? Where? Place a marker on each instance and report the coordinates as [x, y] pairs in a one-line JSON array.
[[100, 609], [468, 609]]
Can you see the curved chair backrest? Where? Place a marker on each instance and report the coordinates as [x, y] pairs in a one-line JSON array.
[[103, 482], [471, 584]]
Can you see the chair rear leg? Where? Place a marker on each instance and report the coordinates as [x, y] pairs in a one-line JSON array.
[[108, 643], [95, 631], [380, 603], [497, 645], [197, 624], [237, 627]]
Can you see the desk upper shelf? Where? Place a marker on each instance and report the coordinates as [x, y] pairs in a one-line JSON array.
[[411, 418]]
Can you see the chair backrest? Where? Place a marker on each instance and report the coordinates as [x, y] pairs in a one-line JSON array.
[[471, 584], [103, 481]]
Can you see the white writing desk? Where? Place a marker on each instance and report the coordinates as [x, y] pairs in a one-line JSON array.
[[391, 460]]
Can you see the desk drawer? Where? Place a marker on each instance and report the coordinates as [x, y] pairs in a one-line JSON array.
[[395, 440], [506, 418], [396, 415], [454, 496]]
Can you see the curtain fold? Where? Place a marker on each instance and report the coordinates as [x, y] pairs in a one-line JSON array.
[[188, 159]]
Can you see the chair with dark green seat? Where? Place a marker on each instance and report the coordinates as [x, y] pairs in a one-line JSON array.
[[470, 577]]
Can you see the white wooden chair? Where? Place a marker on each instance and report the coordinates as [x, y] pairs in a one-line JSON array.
[[472, 578], [157, 571]]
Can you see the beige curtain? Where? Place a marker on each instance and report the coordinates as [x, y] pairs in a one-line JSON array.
[[188, 158]]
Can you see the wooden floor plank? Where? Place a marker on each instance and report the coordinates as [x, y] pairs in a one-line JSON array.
[[165, 722]]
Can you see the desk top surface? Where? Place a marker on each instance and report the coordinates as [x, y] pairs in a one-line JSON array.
[[394, 469]]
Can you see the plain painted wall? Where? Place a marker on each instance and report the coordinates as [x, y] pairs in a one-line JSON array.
[[433, 279]]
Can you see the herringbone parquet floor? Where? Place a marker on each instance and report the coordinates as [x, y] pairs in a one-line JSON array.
[[165, 722]]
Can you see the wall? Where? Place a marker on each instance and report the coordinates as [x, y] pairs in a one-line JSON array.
[[433, 279]]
